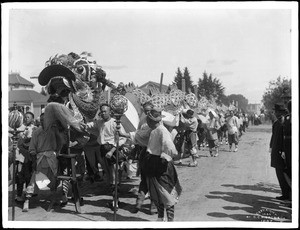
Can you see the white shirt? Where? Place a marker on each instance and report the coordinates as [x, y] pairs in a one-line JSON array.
[[107, 131]]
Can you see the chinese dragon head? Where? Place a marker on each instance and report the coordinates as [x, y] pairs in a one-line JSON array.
[[75, 85]]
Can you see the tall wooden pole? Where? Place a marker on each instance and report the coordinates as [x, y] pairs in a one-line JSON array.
[[161, 81], [183, 85], [15, 137], [15, 142], [196, 91], [118, 121]]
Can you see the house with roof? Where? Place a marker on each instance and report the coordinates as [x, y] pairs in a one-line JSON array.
[[151, 85], [21, 92]]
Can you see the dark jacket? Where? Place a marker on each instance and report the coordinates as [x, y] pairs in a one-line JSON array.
[[276, 144]]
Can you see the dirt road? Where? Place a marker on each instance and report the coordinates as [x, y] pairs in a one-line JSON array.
[[233, 187]]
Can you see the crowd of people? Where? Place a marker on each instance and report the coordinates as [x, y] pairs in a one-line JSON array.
[[156, 147]]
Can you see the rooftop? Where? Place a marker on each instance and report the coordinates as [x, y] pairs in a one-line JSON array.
[[27, 96], [145, 87], [16, 79]]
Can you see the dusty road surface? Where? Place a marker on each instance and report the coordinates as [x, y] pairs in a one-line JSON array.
[[233, 187]]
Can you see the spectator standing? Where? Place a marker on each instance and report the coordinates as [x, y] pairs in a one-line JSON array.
[[287, 143], [93, 157], [43, 148], [107, 129], [23, 159], [276, 149]]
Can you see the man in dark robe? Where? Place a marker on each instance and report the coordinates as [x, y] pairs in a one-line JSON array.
[[276, 149]]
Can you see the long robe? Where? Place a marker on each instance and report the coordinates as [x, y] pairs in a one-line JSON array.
[[162, 179]]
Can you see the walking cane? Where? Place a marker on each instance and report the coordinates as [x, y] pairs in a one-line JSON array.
[[119, 105], [15, 121]]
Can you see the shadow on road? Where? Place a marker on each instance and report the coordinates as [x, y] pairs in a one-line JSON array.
[[257, 187], [108, 215], [258, 207]]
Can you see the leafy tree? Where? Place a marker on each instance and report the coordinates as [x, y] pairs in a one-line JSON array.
[[224, 100], [211, 88], [242, 101], [275, 92]]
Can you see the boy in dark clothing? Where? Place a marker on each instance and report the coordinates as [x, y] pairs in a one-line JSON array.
[[23, 159]]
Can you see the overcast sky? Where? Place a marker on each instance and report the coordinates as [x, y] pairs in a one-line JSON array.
[[244, 48]]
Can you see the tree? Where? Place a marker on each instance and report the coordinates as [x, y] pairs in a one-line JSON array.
[[275, 92], [188, 81], [211, 88], [178, 78], [242, 101], [186, 75]]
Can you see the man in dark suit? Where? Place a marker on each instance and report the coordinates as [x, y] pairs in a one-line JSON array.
[[276, 149]]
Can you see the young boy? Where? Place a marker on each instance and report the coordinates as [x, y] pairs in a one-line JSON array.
[[23, 159]]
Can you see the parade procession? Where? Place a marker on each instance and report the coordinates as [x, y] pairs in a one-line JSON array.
[[149, 115], [87, 136]]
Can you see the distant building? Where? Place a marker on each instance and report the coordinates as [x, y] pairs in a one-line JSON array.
[[254, 108], [16, 82], [21, 93], [153, 85]]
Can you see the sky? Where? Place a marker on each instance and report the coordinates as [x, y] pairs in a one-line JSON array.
[[245, 48]]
